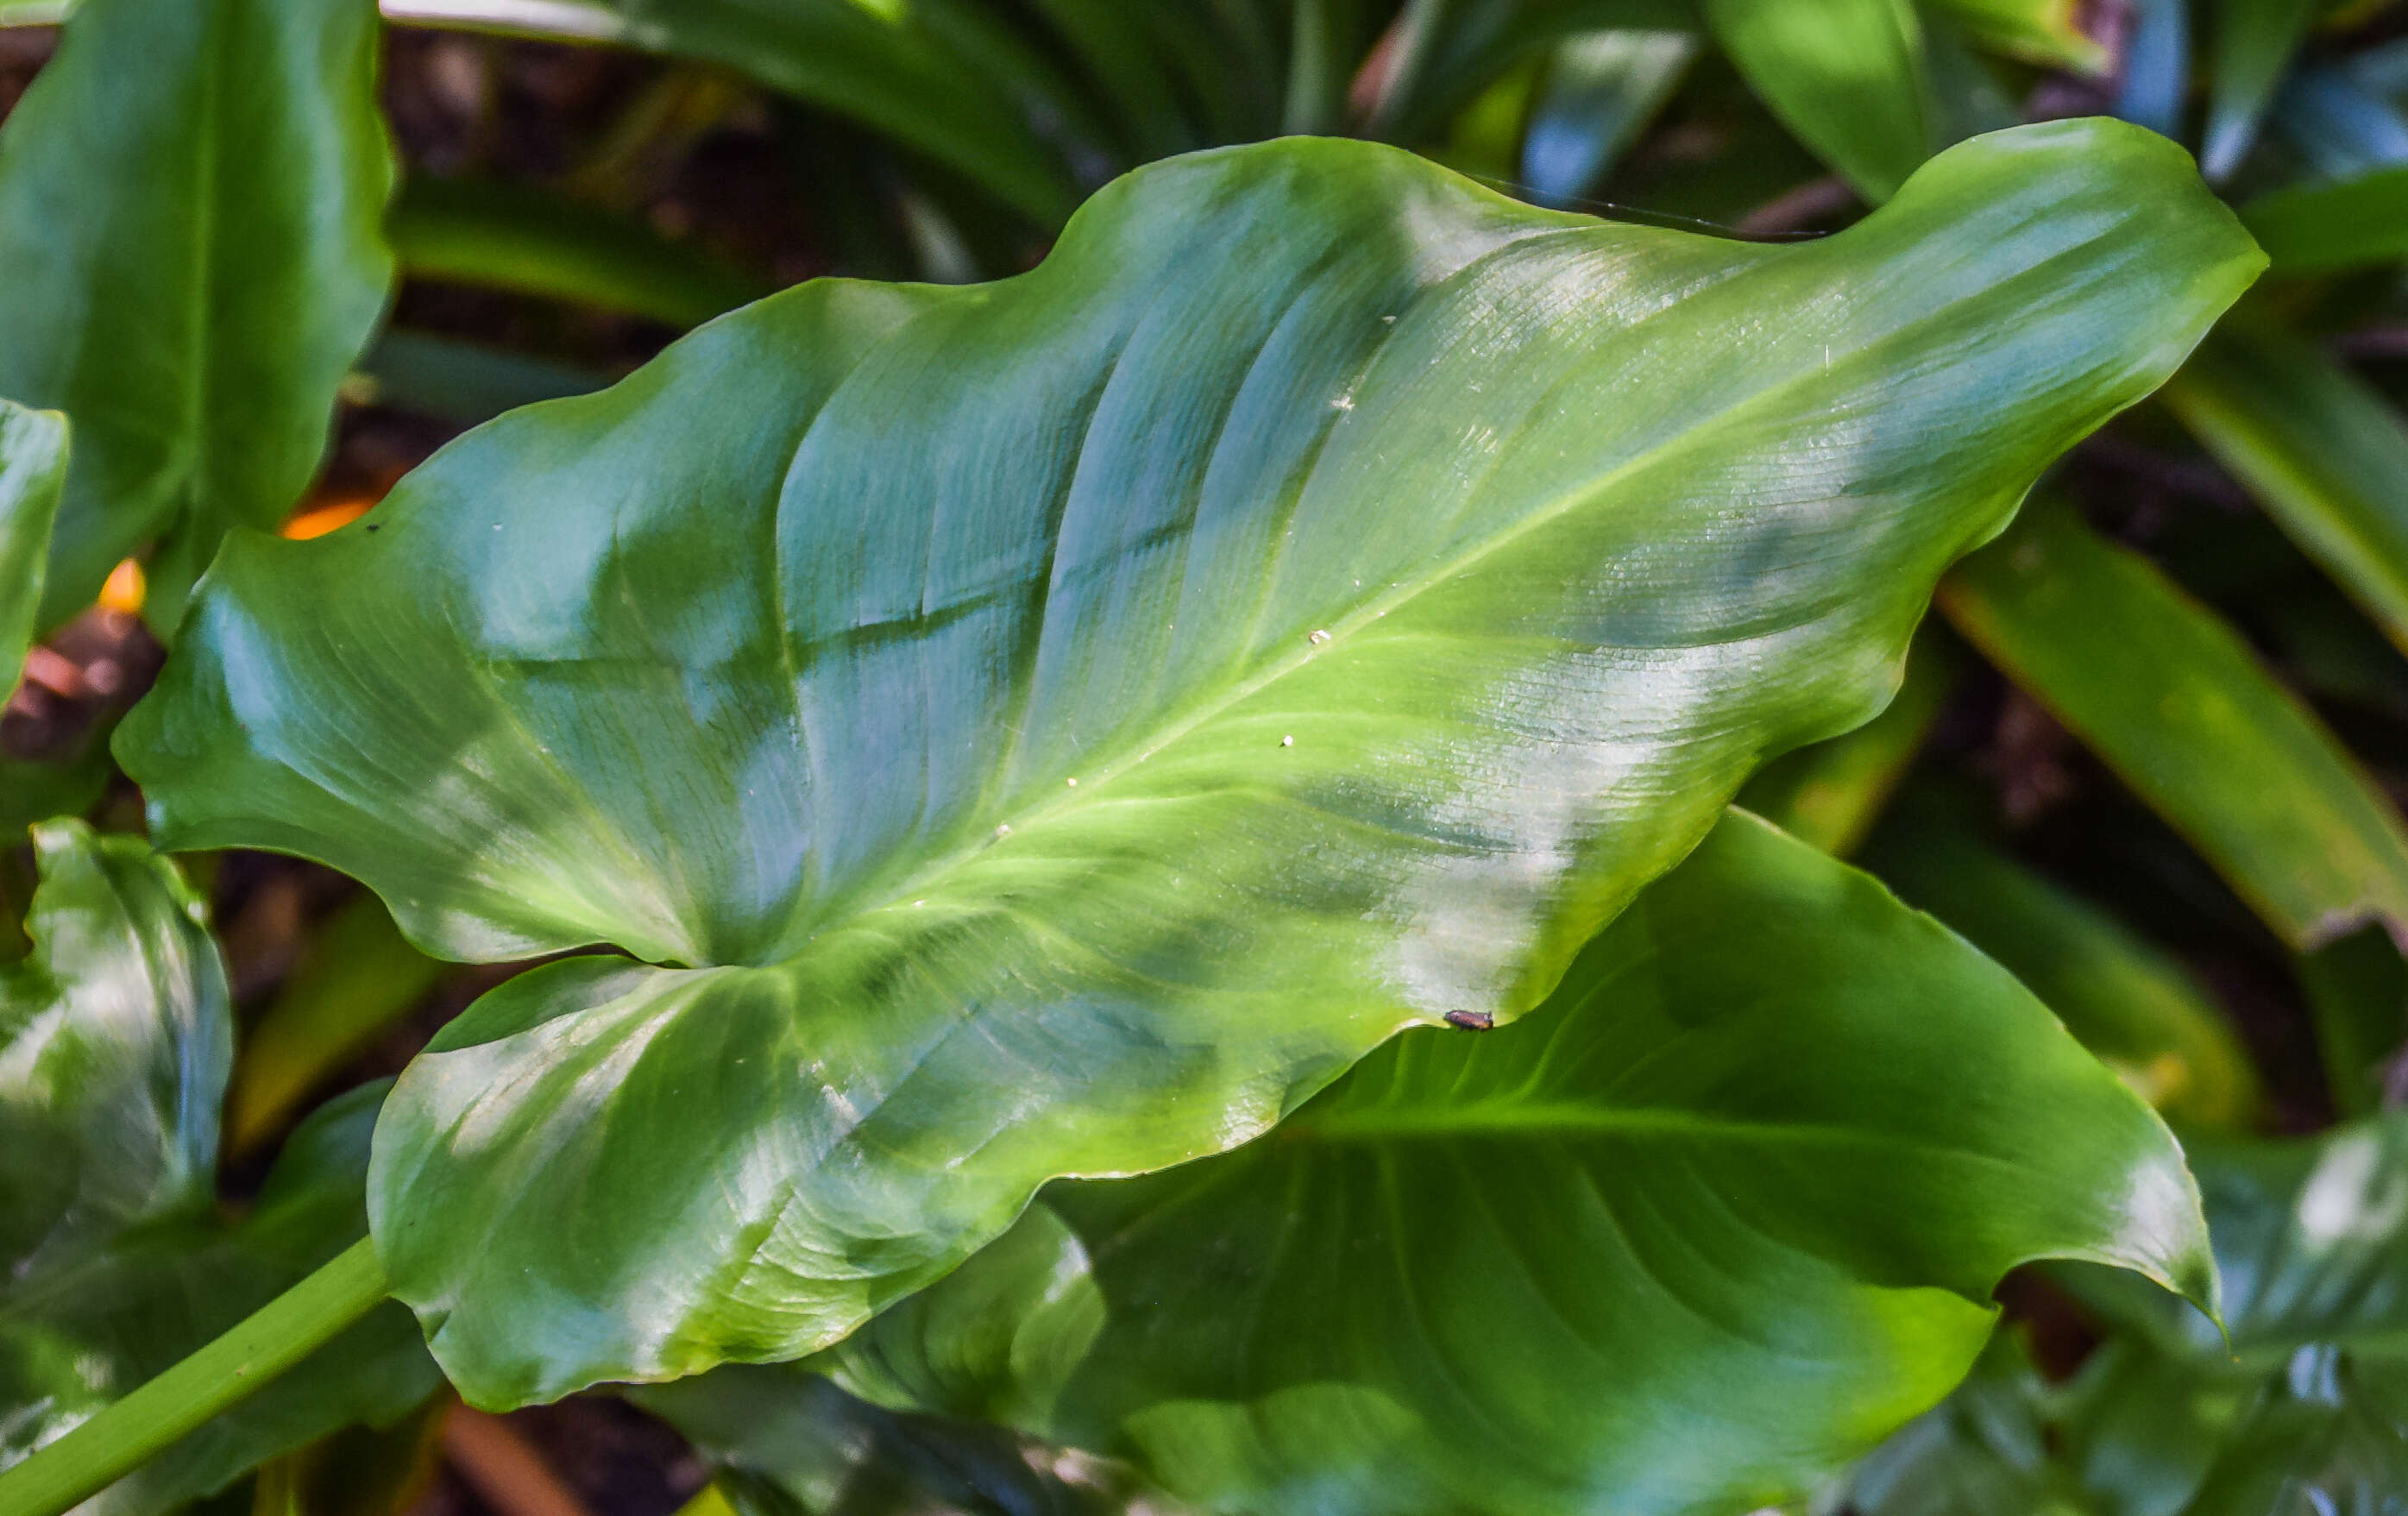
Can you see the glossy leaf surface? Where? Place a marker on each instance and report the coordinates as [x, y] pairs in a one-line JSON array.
[[2324, 451], [2318, 228], [181, 179], [114, 1041], [1310, 604], [1685, 1240], [33, 470], [1846, 76], [2132, 1004], [2158, 686]]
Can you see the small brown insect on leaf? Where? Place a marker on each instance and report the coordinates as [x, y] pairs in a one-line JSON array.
[[1471, 1021]]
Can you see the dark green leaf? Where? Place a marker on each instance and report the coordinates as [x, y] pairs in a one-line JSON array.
[[2178, 705], [113, 1048], [512, 239], [1602, 89], [181, 180], [2303, 1414], [2326, 453], [1846, 76], [2318, 228], [32, 467], [895, 70], [790, 1443], [2256, 42], [1685, 1240], [2156, 86], [1370, 550], [2133, 1005], [2358, 988]]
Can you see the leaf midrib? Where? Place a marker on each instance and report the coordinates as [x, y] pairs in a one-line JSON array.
[[924, 881]]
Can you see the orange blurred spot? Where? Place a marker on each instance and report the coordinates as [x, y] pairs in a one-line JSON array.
[[317, 520], [126, 589]]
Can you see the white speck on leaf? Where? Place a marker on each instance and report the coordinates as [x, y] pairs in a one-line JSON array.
[[1318, 637], [1287, 742]]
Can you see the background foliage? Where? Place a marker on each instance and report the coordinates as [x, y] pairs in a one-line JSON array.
[[1731, 1203]]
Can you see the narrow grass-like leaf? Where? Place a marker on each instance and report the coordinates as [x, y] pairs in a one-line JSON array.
[[1055, 727], [33, 471], [2357, 991], [180, 185], [1846, 76], [2177, 705], [1830, 793], [2036, 31], [2325, 453], [2132, 1005], [356, 976], [2255, 42], [510, 238]]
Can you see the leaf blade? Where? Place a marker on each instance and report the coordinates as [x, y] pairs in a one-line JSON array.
[[228, 167], [1141, 532]]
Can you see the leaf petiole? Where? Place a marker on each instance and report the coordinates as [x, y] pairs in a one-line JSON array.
[[243, 1360]]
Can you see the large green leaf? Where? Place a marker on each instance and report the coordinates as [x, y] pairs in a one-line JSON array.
[[1847, 76], [1054, 727], [1831, 793], [2178, 705], [189, 197], [33, 470], [2132, 1004], [1685, 1240], [114, 1040], [2326, 453], [2302, 1412]]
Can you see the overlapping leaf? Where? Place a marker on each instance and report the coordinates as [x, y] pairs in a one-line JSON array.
[[190, 194], [1685, 1240], [33, 470], [2305, 1409], [1055, 727], [114, 1041], [2129, 1003], [2178, 705]]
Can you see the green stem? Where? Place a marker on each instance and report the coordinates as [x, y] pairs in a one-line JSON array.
[[245, 1360]]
